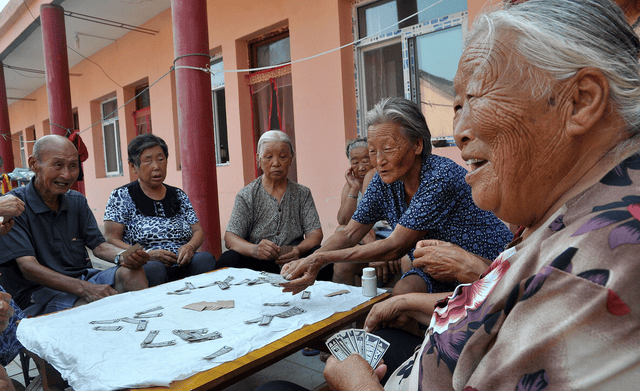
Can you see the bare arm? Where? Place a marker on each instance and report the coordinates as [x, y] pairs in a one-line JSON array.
[[348, 201], [33, 271], [397, 311], [447, 262], [264, 250], [114, 233], [186, 252], [339, 248]]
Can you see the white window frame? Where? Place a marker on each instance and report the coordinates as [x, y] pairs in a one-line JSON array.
[[115, 122], [405, 35], [23, 156], [216, 121]]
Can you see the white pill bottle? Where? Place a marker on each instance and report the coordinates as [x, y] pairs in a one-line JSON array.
[[369, 282]]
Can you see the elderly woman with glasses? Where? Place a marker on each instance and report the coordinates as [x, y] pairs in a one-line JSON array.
[[158, 216], [274, 220], [421, 195]]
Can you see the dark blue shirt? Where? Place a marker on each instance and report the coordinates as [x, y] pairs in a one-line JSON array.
[[442, 206], [56, 239]]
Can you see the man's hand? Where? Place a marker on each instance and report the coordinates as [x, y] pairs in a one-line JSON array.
[[289, 257], [266, 250], [92, 292], [301, 273], [166, 257], [447, 262], [388, 313], [6, 225], [6, 311], [185, 254], [136, 260], [353, 374], [11, 206]]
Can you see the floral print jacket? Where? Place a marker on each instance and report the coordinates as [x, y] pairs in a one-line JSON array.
[[559, 311]]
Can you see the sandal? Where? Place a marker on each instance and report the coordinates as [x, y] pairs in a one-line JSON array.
[[310, 352]]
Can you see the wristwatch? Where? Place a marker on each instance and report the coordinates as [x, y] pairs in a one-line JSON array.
[[119, 259]]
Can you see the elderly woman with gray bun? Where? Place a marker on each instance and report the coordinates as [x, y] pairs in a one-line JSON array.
[[274, 221]]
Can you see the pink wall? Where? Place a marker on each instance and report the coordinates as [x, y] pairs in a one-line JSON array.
[[323, 92]]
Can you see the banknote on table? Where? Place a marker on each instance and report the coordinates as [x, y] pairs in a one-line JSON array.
[[368, 346], [224, 350]]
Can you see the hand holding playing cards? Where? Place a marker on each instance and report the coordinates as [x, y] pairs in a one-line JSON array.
[[353, 373], [165, 257], [288, 254], [266, 250], [136, 259], [301, 273]]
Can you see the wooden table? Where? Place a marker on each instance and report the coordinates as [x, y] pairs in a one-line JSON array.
[[231, 372]]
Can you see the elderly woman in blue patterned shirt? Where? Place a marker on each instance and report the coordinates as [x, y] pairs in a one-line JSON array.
[[158, 216], [421, 195]]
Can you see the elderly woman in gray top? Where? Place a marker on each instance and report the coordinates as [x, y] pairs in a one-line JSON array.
[[274, 220]]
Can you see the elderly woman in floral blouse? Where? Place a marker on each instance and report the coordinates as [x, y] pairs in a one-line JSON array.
[[158, 216]]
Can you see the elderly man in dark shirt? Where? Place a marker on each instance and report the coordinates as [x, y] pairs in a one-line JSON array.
[[44, 262]]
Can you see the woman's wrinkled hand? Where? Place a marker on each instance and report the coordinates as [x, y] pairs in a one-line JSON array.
[[301, 273], [353, 374], [288, 257], [352, 181], [390, 313], [185, 254], [266, 250], [447, 262], [136, 259], [165, 257]]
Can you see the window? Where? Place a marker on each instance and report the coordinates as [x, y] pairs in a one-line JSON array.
[[415, 59], [271, 90], [219, 111], [142, 114], [23, 157], [111, 138]]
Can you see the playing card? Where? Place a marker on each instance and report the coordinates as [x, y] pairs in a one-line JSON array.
[[190, 285], [205, 337], [359, 336], [108, 328], [159, 344], [381, 348], [197, 306], [158, 308], [345, 338], [105, 321], [283, 304], [266, 319], [224, 350], [142, 325], [285, 250], [152, 334], [336, 348], [306, 295], [371, 343], [342, 292], [131, 250]]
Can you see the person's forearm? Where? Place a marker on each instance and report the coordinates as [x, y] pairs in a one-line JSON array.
[[33, 271], [108, 251], [197, 239], [311, 240], [420, 306], [380, 250], [239, 245], [348, 206]]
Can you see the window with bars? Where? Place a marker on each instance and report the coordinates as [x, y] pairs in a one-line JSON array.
[[111, 137]]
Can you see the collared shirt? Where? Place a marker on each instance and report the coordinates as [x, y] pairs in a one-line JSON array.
[[442, 205], [257, 214], [56, 239]]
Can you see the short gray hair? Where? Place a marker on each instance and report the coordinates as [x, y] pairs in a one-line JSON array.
[[274, 136], [360, 142], [46, 143], [405, 114], [559, 38]]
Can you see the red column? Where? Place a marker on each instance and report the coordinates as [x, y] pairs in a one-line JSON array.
[[6, 151], [195, 116], [56, 65]]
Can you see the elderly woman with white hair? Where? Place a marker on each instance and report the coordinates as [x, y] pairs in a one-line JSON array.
[[547, 111], [274, 220]]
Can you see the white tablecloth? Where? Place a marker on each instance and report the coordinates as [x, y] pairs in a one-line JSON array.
[[107, 360]]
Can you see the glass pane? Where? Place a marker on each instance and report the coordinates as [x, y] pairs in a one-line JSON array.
[[383, 76], [109, 109], [444, 8], [380, 17], [217, 78], [274, 53], [220, 121], [437, 59], [110, 145]]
